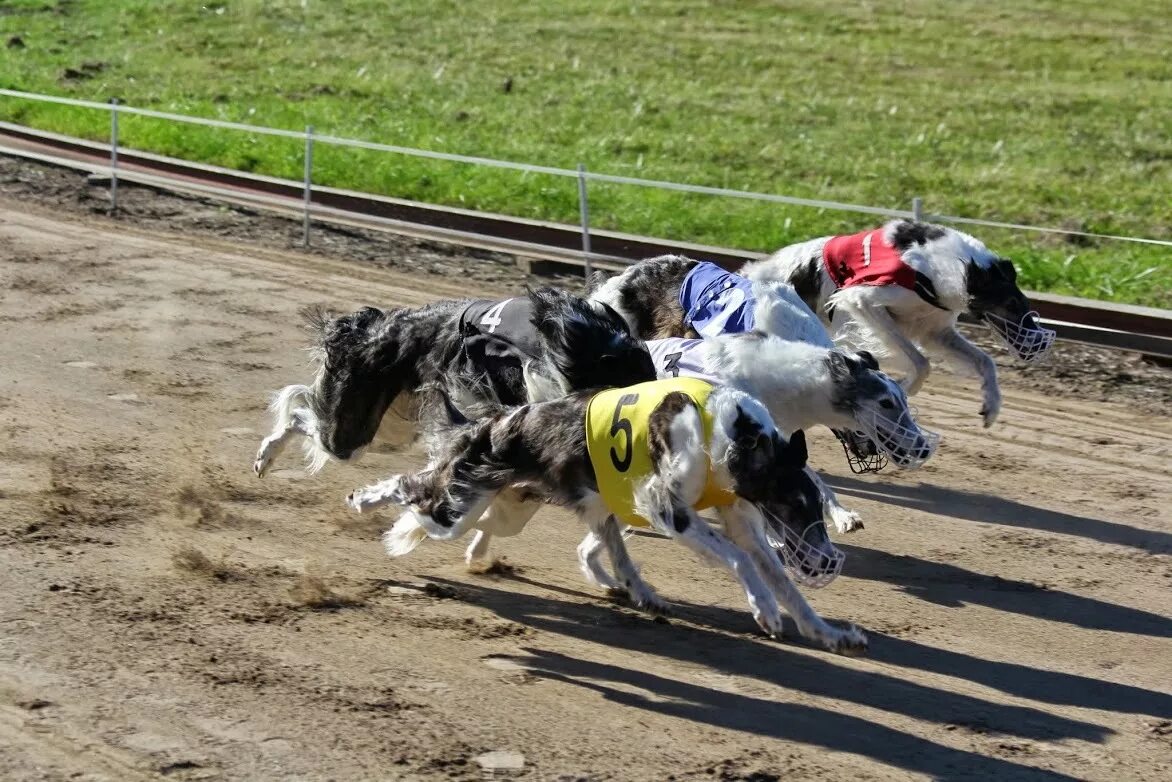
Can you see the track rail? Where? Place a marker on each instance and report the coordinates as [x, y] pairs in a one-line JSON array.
[[541, 247]]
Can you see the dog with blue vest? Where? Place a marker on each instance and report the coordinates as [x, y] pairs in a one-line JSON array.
[[674, 297]]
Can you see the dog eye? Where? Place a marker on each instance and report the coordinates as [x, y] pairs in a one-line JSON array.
[[887, 404]]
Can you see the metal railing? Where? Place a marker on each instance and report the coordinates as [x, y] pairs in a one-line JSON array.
[[580, 174]]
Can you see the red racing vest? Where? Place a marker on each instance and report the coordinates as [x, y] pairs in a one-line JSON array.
[[867, 259]]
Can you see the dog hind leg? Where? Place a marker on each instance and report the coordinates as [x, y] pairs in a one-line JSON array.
[[640, 593], [880, 323], [506, 516], [298, 423]]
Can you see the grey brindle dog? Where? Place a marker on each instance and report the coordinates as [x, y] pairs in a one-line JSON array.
[[373, 359], [539, 452]]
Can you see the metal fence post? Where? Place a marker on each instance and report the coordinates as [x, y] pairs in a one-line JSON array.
[[917, 209], [584, 212], [113, 155], [308, 183]]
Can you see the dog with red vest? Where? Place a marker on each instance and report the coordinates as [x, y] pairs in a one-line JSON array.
[[898, 290]]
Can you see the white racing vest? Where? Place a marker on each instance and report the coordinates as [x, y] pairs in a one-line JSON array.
[[675, 357]]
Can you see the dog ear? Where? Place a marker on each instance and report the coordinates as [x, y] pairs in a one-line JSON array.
[[795, 452], [867, 359], [840, 366], [976, 277], [1006, 267]]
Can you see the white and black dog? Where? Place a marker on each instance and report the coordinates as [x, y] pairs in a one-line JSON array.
[[901, 287], [371, 359], [804, 385], [676, 297], [646, 455]]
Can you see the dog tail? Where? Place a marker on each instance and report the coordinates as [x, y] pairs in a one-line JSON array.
[[406, 534]]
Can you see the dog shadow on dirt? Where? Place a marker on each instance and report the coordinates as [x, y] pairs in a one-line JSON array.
[[723, 641], [951, 586], [974, 506]]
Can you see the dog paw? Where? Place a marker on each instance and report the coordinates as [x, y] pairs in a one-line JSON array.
[[846, 521], [260, 465], [771, 624], [646, 599], [851, 642], [990, 413], [377, 495]]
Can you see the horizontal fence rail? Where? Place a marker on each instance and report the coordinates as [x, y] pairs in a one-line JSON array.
[[575, 173], [538, 246]]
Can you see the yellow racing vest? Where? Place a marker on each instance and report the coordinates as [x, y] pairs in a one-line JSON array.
[[616, 439]]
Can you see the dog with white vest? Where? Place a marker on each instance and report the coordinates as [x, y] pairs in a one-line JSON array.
[[898, 289], [672, 296]]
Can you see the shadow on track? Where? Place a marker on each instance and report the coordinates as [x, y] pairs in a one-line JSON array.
[[819, 674], [952, 586], [998, 510]]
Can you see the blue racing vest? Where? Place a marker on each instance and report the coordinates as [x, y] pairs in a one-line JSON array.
[[717, 302]]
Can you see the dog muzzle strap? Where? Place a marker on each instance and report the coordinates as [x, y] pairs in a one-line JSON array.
[[862, 455], [1029, 343]]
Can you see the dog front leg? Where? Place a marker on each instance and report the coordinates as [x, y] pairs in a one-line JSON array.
[[966, 353], [878, 319], [746, 529], [844, 520], [272, 446], [696, 534]]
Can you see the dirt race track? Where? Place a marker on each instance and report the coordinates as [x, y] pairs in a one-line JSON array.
[[168, 615]]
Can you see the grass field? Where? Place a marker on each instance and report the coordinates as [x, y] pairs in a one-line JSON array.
[[1051, 113]]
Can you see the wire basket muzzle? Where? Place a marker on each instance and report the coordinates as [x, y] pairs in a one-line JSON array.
[[1025, 339], [807, 564], [904, 441]]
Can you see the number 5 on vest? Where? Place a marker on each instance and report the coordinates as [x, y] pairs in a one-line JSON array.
[[620, 424]]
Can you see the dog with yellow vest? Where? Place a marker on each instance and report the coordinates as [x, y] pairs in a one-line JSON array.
[[648, 455]]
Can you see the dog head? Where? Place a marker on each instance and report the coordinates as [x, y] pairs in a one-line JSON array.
[[995, 298], [350, 396], [588, 342], [879, 408], [993, 289], [771, 473]]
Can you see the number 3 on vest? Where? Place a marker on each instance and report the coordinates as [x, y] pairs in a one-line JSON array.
[[620, 424]]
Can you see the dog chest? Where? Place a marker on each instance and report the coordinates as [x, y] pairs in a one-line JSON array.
[[617, 429]]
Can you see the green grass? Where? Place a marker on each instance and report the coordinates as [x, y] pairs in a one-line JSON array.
[[1056, 112]]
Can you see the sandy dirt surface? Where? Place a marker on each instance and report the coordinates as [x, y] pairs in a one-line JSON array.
[[168, 615]]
